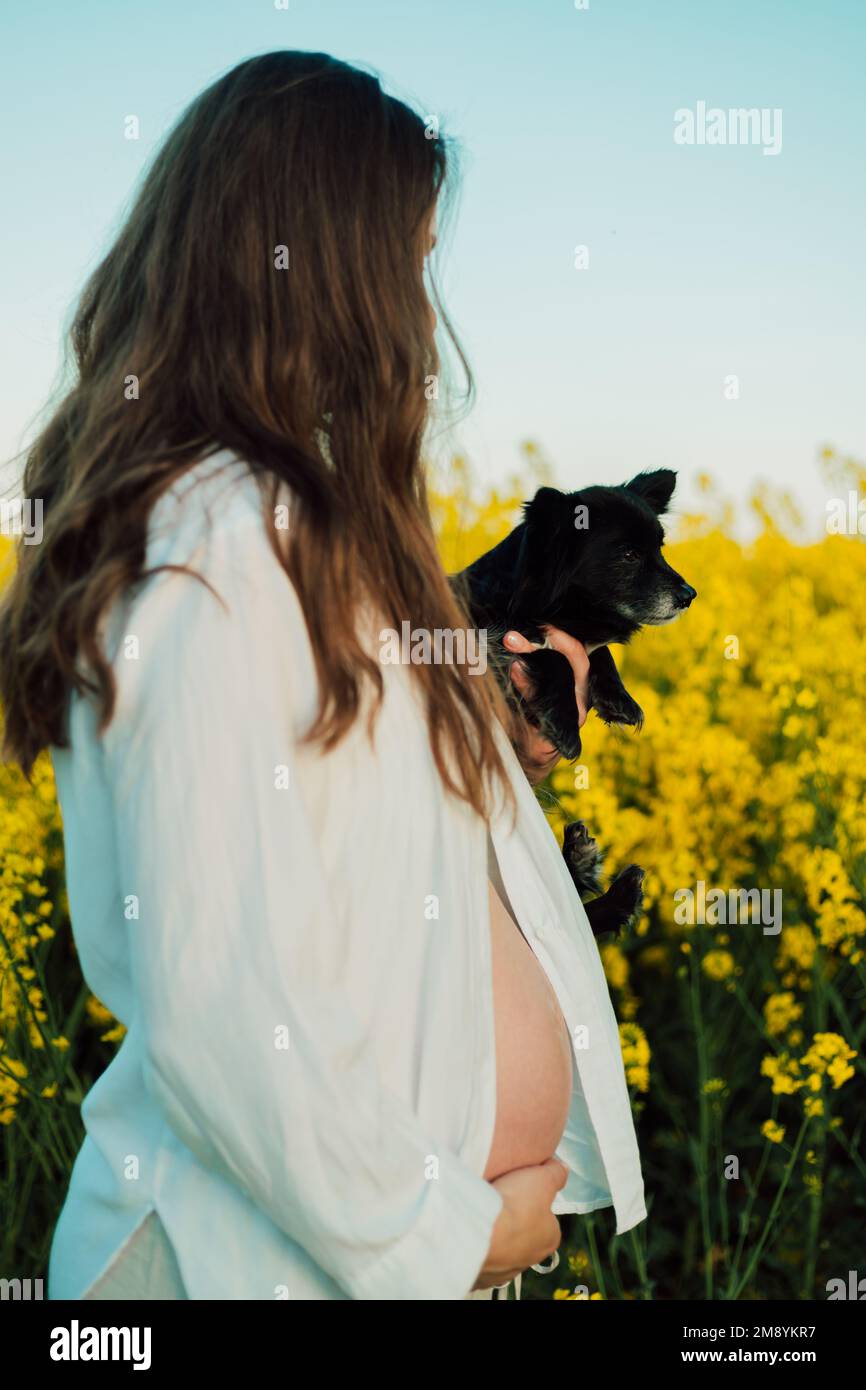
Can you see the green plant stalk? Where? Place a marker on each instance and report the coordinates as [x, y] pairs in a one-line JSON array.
[[593, 1250], [723, 1182], [640, 1263], [815, 1207], [852, 1153], [820, 995], [613, 1260], [777, 1202], [849, 1030], [702, 1165], [755, 1018], [746, 1215]]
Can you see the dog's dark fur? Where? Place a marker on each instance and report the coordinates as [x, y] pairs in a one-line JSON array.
[[588, 562]]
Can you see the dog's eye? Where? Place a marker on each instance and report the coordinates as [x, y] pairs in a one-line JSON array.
[[630, 556]]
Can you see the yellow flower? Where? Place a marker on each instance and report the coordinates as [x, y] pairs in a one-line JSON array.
[[784, 1072], [97, 1011], [114, 1034], [829, 1056], [797, 946], [615, 966], [715, 1087], [654, 957], [718, 965], [773, 1131], [780, 1011], [635, 1055], [839, 1072]]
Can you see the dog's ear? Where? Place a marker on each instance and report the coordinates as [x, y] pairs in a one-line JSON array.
[[656, 488], [548, 512], [546, 544]]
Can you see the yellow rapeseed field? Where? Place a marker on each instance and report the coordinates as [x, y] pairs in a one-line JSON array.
[[742, 1045]]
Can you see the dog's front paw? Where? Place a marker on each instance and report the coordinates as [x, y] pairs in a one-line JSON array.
[[608, 696], [583, 857], [618, 707], [620, 905], [626, 892]]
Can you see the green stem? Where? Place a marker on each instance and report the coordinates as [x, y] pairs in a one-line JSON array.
[[640, 1262], [593, 1250], [746, 1215], [851, 1152], [702, 1164], [723, 1181], [768, 1225], [755, 1017]]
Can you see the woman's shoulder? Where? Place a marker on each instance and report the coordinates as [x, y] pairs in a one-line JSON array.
[[216, 496], [209, 525]]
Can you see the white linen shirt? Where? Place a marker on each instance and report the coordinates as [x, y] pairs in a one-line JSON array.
[[298, 944]]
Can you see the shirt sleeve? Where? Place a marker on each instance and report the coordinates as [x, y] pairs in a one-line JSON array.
[[252, 1051]]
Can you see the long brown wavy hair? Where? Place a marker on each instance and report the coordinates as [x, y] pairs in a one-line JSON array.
[[315, 375]]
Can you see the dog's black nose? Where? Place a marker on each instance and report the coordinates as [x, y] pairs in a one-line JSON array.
[[687, 593]]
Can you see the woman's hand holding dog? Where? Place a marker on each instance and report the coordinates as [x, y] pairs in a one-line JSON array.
[[537, 754]]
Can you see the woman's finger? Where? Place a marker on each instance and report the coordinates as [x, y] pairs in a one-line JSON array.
[[522, 679], [516, 642], [573, 651], [539, 755], [576, 655]]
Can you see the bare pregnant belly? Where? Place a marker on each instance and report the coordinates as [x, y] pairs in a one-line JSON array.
[[533, 1052]]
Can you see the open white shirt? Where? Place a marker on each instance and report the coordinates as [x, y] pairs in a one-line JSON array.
[[299, 947]]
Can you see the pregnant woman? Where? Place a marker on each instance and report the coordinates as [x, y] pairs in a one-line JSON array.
[[370, 1049]]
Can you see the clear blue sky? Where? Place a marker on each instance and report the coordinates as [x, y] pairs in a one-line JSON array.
[[704, 261]]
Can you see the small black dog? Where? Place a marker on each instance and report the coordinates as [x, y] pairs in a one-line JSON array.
[[588, 562]]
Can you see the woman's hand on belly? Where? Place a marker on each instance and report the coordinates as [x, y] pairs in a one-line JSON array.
[[526, 1230]]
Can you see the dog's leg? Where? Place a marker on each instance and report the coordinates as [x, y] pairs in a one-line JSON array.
[[616, 908], [608, 696], [583, 858], [620, 905], [553, 707]]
